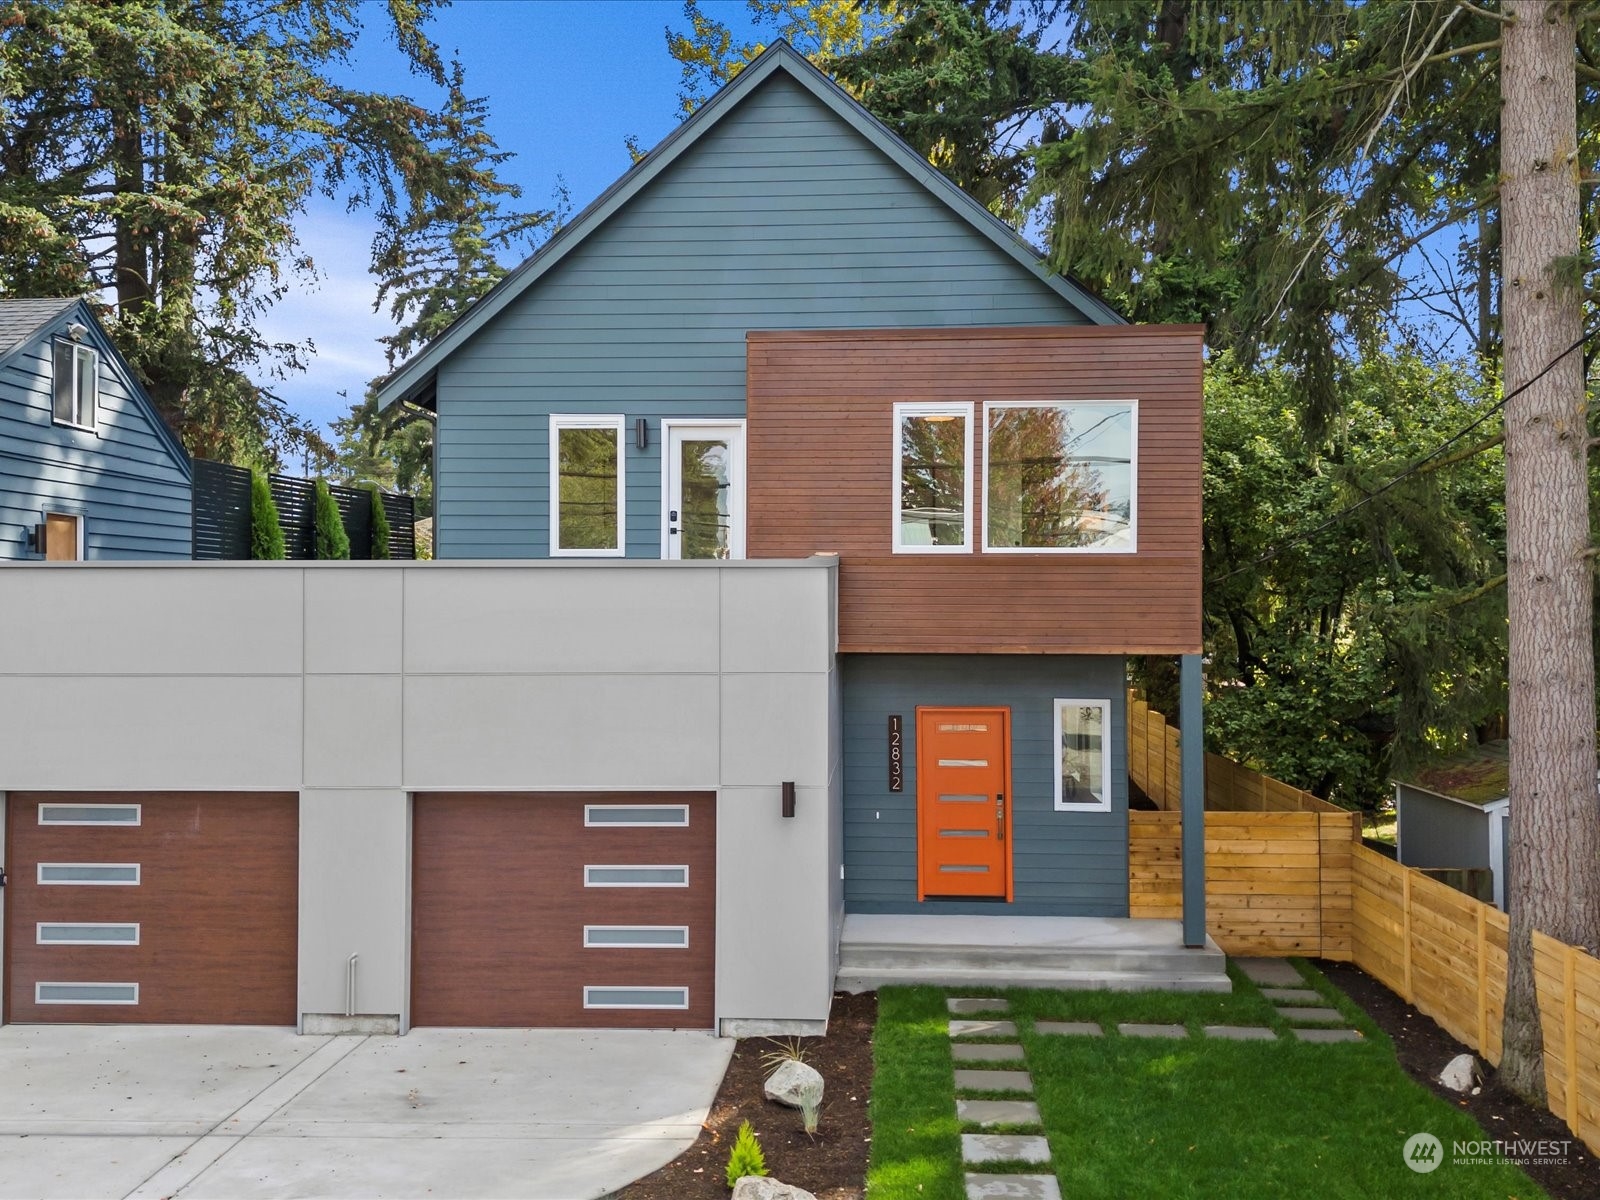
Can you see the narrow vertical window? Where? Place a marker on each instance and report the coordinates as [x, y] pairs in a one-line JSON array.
[[1059, 476], [1082, 768], [932, 474], [75, 384], [586, 485]]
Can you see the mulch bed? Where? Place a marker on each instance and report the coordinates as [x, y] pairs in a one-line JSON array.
[[832, 1164], [1423, 1049]]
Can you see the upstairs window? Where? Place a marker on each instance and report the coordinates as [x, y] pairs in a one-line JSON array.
[[586, 486], [76, 384], [932, 474], [1059, 476]]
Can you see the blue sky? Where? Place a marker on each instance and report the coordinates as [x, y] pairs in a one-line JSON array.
[[566, 81]]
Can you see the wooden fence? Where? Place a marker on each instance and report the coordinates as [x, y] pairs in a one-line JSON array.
[[1155, 765], [1276, 883]]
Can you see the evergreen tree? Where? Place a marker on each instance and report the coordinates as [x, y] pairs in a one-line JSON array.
[[380, 523], [329, 540], [266, 531]]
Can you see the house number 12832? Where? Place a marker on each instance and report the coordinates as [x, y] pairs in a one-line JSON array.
[[897, 772]]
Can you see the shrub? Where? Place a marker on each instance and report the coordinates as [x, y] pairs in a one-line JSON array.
[[266, 532], [380, 523], [746, 1158], [329, 539]]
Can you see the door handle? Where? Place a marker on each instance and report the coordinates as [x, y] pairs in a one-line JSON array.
[[1000, 814]]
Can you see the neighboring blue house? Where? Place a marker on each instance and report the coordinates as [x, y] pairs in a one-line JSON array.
[[88, 469]]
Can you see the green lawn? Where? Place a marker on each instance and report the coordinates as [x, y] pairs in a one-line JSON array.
[[1129, 1117]]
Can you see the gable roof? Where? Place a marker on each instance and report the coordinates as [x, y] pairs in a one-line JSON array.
[[414, 378], [24, 320], [21, 319]]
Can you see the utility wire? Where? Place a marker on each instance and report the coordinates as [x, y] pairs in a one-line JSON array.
[[1278, 548]]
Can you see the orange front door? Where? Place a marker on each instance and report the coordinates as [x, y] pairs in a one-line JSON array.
[[963, 802]]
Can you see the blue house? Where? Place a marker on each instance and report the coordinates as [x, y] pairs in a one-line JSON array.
[[88, 469]]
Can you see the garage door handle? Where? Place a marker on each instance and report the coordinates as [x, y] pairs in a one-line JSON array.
[[1000, 814], [2, 877]]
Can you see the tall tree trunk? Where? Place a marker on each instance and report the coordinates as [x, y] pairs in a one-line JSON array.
[[1555, 816]]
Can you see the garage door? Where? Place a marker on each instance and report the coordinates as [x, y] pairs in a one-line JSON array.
[[564, 910], [152, 907]]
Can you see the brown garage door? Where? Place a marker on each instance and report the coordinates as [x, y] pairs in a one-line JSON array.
[[564, 910], [152, 907]]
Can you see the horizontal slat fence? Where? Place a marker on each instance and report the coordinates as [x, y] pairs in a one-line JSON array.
[[1276, 883], [222, 515], [1156, 766]]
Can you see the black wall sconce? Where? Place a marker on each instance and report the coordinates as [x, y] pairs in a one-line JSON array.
[[788, 799], [641, 433]]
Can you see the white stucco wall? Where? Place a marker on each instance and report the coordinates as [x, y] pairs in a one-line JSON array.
[[356, 684]]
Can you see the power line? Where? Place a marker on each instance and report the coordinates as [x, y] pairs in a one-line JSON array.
[[1279, 547]]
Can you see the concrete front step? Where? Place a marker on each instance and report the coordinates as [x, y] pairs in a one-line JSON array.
[[1175, 961], [866, 979]]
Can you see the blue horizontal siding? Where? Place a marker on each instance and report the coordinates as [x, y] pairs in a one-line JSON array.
[[123, 477], [780, 217], [1063, 863]]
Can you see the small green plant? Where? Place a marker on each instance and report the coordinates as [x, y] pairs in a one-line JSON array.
[[783, 1050], [746, 1158], [327, 526], [380, 523], [266, 531]]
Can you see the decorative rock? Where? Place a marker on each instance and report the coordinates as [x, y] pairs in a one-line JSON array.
[[983, 1029], [985, 1052], [966, 1005], [1152, 1031], [1270, 972], [998, 1112], [1293, 996], [993, 1081], [794, 1084], [757, 1187], [1013, 1187], [1327, 1035], [1071, 1028], [1459, 1074], [1004, 1147], [1240, 1033], [1312, 1016]]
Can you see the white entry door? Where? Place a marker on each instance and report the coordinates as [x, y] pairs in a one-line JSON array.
[[703, 489]]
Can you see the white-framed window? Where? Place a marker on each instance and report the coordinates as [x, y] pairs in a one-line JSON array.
[[85, 993], [587, 469], [636, 816], [620, 875], [89, 874], [636, 937], [1060, 477], [90, 814], [86, 933], [933, 478], [636, 997], [76, 384], [1083, 776]]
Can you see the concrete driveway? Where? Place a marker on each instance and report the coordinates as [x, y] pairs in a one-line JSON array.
[[91, 1112]]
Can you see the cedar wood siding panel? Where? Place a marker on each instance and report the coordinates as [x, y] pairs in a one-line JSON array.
[[781, 217], [1064, 863], [820, 468], [122, 477]]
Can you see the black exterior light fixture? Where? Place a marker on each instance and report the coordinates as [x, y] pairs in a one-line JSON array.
[[788, 799], [641, 433]]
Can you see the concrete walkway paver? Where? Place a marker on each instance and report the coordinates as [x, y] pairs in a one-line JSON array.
[[1012, 1187], [961, 1006], [998, 1112], [980, 1148], [983, 1029], [993, 1081], [1292, 995], [1139, 1029], [261, 1114], [1069, 1028], [1311, 1016], [1240, 1033], [985, 1052], [1328, 1035], [1270, 972]]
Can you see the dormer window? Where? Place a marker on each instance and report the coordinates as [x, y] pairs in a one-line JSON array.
[[77, 384]]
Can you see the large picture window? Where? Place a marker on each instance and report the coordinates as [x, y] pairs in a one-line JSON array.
[[76, 384], [932, 478], [1082, 753], [586, 486], [1059, 477]]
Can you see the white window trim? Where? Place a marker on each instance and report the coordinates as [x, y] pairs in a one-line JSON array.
[[617, 423], [1102, 805], [588, 867], [737, 480], [590, 823], [40, 985], [1133, 481], [41, 926], [41, 881], [621, 987], [92, 425], [138, 812], [588, 945], [963, 409]]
